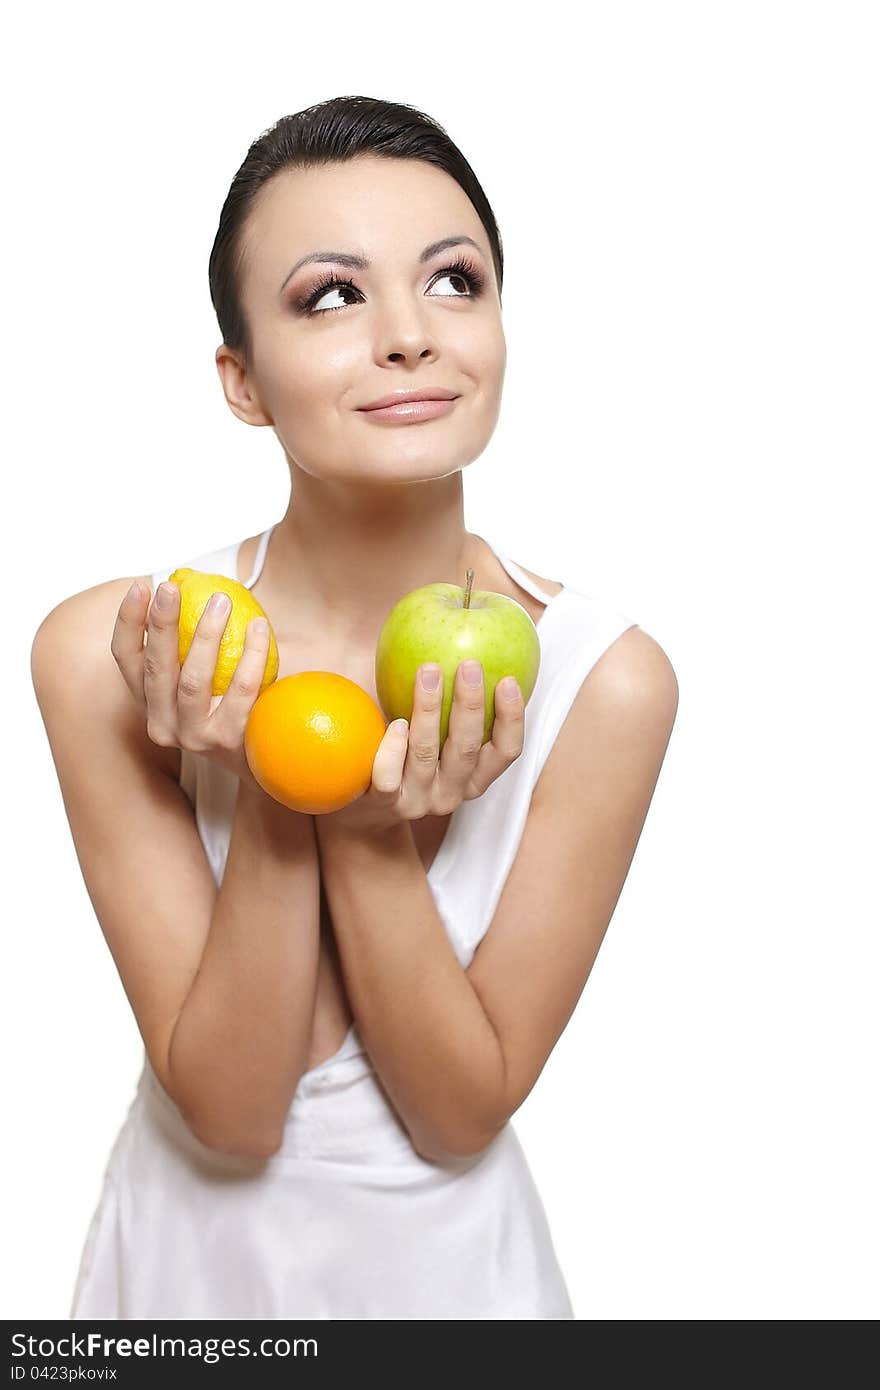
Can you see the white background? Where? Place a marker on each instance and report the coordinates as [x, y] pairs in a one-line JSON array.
[[687, 196]]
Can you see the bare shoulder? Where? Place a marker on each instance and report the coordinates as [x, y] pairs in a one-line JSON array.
[[72, 644], [637, 669], [624, 712]]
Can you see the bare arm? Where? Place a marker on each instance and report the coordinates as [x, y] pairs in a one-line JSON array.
[[423, 1024], [459, 1050], [199, 967], [241, 1041]]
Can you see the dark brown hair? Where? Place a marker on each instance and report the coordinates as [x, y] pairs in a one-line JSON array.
[[330, 132]]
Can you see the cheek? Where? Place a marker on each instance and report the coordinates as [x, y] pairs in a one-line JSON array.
[[491, 379], [306, 381], [484, 352]]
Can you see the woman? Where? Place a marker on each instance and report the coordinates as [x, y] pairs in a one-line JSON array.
[[341, 1012]]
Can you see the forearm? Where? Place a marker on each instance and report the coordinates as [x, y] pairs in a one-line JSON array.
[[241, 1041], [422, 1022]]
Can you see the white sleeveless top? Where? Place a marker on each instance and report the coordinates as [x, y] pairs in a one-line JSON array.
[[347, 1220]]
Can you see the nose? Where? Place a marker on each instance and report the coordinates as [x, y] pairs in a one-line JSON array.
[[402, 332]]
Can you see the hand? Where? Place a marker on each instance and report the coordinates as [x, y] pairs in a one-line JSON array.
[[180, 710], [408, 779]]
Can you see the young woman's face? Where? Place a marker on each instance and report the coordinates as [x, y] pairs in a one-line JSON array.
[[322, 351]]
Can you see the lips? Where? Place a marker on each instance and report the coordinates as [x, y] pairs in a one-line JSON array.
[[410, 412], [402, 397]]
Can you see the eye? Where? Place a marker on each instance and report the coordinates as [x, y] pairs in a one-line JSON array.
[[462, 270], [330, 282]]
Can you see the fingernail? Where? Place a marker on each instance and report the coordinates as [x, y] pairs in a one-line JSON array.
[[135, 593], [509, 688], [430, 677], [471, 672], [399, 726], [219, 603], [164, 596], [260, 626]]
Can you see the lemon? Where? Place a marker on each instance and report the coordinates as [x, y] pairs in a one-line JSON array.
[[196, 588]]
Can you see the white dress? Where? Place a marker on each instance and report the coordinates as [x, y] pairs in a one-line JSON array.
[[347, 1220]]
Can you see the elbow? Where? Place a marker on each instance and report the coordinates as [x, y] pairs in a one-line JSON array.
[[244, 1148], [457, 1147], [477, 1128], [214, 1136], [250, 1146]]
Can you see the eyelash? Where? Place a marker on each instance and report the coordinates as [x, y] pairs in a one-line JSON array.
[[461, 266]]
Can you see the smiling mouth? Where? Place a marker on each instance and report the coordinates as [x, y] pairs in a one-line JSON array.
[[410, 411], [411, 400]]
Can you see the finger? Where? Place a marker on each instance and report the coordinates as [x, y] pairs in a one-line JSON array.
[[162, 658], [464, 740], [196, 677], [505, 745], [229, 712], [127, 641], [389, 762], [423, 749]]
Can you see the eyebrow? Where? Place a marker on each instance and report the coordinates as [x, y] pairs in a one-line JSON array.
[[361, 263]]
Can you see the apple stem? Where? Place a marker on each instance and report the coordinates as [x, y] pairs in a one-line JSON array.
[[467, 592]]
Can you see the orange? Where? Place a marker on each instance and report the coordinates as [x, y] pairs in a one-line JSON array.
[[311, 739]]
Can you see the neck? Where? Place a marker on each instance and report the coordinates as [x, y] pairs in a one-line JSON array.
[[347, 554]]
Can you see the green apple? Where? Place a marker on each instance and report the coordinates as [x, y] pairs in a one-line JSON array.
[[448, 624]]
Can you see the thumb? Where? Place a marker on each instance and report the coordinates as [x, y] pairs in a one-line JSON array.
[[389, 760]]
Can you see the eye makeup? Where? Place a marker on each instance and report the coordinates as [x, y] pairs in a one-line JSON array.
[[462, 266]]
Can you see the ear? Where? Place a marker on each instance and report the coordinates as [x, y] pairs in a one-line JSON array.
[[240, 396]]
